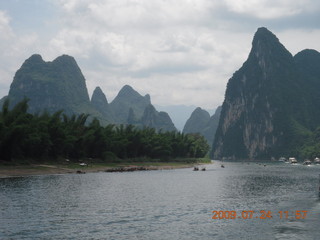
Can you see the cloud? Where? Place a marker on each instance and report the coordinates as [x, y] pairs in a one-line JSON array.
[[271, 9], [145, 42], [6, 32], [13, 51], [181, 52], [296, 40]]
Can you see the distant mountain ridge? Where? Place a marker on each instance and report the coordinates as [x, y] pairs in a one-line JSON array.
[[271, 103], [201, 122], [60, 85], [179, 113], [128, 98]]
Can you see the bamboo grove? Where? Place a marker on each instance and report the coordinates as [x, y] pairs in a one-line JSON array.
[[53, 136]]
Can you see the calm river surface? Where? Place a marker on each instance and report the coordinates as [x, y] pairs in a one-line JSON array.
[[165, 204]]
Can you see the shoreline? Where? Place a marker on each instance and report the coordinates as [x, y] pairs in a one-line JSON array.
[[50, 169]]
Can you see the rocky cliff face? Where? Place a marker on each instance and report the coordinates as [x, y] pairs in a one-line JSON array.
[[264, 103]]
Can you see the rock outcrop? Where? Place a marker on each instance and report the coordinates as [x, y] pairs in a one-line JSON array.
[[269, 102]]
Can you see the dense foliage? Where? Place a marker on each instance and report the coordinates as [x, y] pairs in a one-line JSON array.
[[42, 136], [308, 146]]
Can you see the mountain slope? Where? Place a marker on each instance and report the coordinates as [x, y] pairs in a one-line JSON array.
[[201, 122], [210, 129], [265, 112], [197, 121], [128, 98], [179, 113], [60, 85], [52, 85], [157, 120], [100, 103]]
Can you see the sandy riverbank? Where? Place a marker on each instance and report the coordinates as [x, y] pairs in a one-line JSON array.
[[46, 169]]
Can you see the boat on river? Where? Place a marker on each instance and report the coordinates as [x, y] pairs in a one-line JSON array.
[[307, 162], [282, 159], [293, 160]]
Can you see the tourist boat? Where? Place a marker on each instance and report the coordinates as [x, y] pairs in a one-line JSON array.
[[307, 162], [293, 160], [282, 159], [317, 160]]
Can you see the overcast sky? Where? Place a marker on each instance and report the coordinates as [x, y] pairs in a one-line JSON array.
[[178, 51]]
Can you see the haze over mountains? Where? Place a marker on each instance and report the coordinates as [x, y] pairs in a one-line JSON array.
[[271, 105]]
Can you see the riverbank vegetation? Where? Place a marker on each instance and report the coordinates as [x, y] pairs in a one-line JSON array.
[[57, 136]]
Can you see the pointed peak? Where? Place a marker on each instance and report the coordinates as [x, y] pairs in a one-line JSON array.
[[97, 90], [128, 92], [264, 35], [263, 30], [98, 96], [127, 88], [199, 110], [65, 59], [35, 58], [147, 97], [266, 45]]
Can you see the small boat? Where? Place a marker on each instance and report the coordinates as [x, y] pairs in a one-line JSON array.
[[222, 165], [195, 169], [282, 159], [293, 160], [307, 162], [203, 169], [317, 160]]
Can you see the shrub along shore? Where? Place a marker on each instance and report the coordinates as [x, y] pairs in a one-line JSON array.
[[58, 136]]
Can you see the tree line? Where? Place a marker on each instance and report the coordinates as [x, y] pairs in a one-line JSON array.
[[51, 136]]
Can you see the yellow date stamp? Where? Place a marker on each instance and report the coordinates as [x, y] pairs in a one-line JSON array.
[[262, 214]]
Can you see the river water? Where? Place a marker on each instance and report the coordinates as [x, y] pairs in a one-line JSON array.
[[165, 204]]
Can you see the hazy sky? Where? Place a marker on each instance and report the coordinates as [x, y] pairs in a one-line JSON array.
[[178, 51]]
